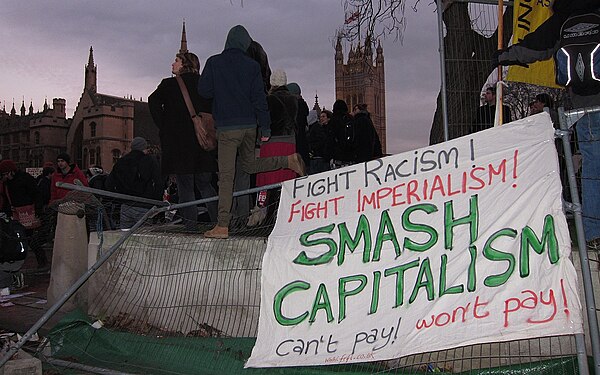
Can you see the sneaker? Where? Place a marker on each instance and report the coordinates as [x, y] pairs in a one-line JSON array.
[[217, 232]]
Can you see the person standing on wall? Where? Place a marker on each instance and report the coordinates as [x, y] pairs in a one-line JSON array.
[[182, 156], [234, 82]]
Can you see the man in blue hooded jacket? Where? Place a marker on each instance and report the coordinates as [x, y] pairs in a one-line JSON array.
[[234, 82]]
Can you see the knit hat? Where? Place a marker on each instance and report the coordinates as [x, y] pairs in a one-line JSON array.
[[278, 78], [139, 144], [294, 88], [7, 166], [64, 156]]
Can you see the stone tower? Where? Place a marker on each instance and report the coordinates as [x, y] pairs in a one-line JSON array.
[[90, 74], [362, 80], [183, 48]]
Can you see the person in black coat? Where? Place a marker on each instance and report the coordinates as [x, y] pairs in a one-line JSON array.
[[366, 139], [21, 190], [301, 122], [342, 129], [320, 141], [182, 155]]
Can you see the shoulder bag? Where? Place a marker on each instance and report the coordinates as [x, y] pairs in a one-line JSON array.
[[203, 125], [25, 214]]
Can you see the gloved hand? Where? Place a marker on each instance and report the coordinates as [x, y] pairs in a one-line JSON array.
[[265, 135], [497, 59]]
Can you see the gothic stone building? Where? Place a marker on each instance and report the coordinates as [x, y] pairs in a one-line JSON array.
[[362, 80], [103, 125], [30, 139]]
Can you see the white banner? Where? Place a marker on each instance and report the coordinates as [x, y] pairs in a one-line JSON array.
[[459, 243]]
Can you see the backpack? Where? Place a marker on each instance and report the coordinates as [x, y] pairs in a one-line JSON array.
[[577, 59], [13, 243], [127, 177]]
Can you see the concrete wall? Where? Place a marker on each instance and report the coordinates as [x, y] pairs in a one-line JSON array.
[[178, 283]]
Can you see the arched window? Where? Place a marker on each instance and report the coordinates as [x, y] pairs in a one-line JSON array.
[[116, 154], [98, 156], [36, 138], [92, 157], [85, 157], [92, 129]]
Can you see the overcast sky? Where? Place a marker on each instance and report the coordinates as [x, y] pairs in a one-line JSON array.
[[45, 46]]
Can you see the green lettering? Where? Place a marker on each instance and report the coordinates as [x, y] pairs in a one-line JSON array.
[[363, 231], [529, 239], [294, 286], [456, 289], [325, 258], [424, 272], [386, 232], [399, 272], [321, 301], [450, 221], [496, 255], [412, 227], [343, 293]]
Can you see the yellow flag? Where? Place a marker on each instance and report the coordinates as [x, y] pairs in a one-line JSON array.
[[528, 15]]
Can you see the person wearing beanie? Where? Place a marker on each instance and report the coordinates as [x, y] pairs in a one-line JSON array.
[[233, 81], [193, 167], [21, 191], [137, 174], [138, 144], [283, 110], [278, 78], [67, 173]]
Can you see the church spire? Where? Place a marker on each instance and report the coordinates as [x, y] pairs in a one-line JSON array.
[[316, 107], [90, 73], [183, 48], [23, 107]]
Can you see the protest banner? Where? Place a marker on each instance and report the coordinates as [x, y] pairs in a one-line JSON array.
[[454, 244]]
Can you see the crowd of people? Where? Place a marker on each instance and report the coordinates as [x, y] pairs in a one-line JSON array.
[[265, 134]]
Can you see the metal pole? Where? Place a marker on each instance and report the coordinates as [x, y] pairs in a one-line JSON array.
[[443, 94], [64, 298], [588, 288], [111, 194], [164, 206]]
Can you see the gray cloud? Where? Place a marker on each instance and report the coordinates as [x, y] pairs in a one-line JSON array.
[[46, 44]]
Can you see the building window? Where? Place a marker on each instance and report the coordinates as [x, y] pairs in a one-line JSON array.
[[36, 138], [98, 156], [85, 158], [116, 154], [92, 130], [6, 139], [14, 155], [92, 157], [15, 137], [27, 137]]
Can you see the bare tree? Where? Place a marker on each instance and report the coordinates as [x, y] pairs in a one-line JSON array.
[[467, 53]]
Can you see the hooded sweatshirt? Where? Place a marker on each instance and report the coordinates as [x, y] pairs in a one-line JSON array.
[[234, 81]]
